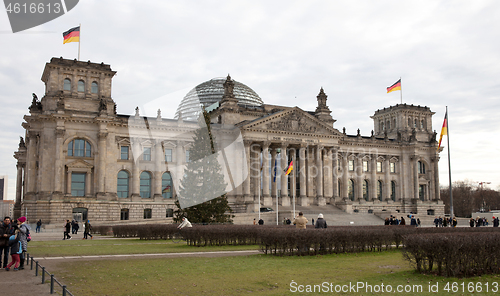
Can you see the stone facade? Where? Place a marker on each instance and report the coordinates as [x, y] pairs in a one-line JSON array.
[[81, 158]]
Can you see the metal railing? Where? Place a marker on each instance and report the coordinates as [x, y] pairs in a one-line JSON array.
[[45, 272]]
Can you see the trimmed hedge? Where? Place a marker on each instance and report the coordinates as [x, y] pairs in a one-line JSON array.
[[454, 254]]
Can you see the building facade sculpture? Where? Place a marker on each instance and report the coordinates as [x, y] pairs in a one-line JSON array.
[[80, 157]]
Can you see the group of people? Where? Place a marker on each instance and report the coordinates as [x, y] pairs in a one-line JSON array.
[[301, 221], [392, 220], [14, 241], [478, 222], [445, 222], [74, 227]]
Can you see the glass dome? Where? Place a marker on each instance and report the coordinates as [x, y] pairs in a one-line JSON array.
[[210, 92]]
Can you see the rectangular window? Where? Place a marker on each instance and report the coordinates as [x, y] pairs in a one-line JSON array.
[[147, 213], [147, 154], [379, 166], [170, 213], [393, 167], [365, 166], [124, 214], [78, 184], [124, 153], [351, 165], [168, 155], [187, 156]]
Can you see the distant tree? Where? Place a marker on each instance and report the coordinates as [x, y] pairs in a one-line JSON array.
[[203, 180], [469, 198]]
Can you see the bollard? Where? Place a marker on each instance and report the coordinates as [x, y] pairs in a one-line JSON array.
[[64, 290], [43, 274], [32, 259], [36, 268], [51, 284]]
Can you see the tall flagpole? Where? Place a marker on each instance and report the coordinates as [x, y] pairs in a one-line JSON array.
[[449, 163], [401, 90], [79, 41]]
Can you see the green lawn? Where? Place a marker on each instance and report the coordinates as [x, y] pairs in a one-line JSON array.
[[255, 275], [117, 247]]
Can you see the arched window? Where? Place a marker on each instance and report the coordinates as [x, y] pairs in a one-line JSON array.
[[79, 147], [415, 124], [409, 121], [81, 86], [122, 184], [421, 167], [350, 189], [393, 190], [94, 88], [366, 190], [166, 185], [422, 125], [388, 124], [67, 84], [382, 126], [145, 185], [379, 190]]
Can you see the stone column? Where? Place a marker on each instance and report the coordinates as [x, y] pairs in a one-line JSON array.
[[255, 171], [436, 179], [59, 166], [387, 180], [246, 183], [359, 178], [430, 186], [328, 174], [19, 184], [88, 178], [335, 174], [320, 201], [101, 168], [304, 201], [136, 171], [265, 175], [345, 177], [159, 160], [68, 185], [311, 167], [415, 176], [373, 182], [274, 188], [285, 199], [31, 161]]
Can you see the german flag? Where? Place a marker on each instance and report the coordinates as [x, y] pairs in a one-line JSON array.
[[444, 129], [395, 86], [290, 168], [72, 35]]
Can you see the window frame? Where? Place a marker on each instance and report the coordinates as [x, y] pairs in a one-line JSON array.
[[67, 84], [167, 156], [124, 214], [122, 152], [94, 87], [167, 182], [81, 86], [118, 185], [75, 182], [146, 153], [148, 213], [87, 148], [144, 186]]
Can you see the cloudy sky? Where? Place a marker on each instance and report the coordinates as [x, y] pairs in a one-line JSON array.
[[447, 53]]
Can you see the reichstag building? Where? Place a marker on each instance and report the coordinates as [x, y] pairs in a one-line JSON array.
[[79, 158]]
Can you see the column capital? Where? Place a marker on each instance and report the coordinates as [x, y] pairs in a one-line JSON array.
[[247, 142], [60, 132], [284, 145], [266, 144], [102, 135]]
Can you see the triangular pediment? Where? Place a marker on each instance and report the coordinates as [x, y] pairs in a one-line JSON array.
[[294, 120], [79, 164]]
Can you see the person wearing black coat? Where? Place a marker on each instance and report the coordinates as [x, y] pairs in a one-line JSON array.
[[320, 222], [67, 230]]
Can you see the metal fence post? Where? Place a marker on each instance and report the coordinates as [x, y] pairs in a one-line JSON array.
[[43, 274], [51, 284], [32, 259], [36, 268], [64, 290]]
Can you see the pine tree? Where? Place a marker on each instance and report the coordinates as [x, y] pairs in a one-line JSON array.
[[202, 195]]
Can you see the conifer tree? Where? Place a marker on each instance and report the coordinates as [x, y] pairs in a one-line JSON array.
[[202, 189]]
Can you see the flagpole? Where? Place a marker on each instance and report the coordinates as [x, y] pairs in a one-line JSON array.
[[401, 90], [449, 163], [260, 180], [79, 41]]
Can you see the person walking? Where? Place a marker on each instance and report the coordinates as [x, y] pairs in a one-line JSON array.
[[67, 229], [15, 251], [24, 231], [300, 221], [38, 226], [86, 232], [320, 222]]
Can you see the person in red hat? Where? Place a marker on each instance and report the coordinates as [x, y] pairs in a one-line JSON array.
[[24, 231]]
